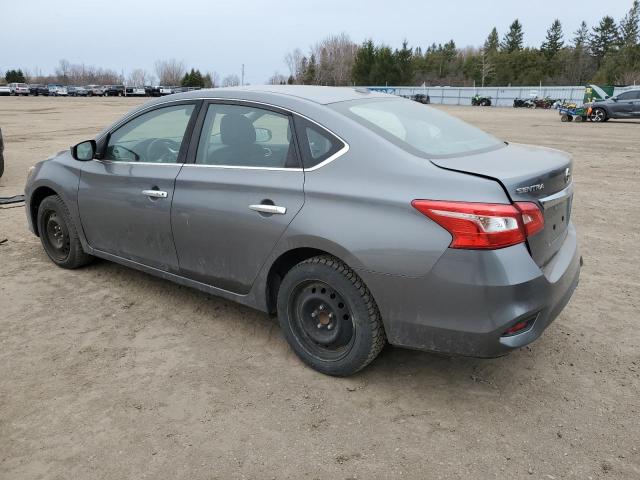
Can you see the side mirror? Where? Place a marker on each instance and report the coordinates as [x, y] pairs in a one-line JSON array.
[[263, 135], [615, 99], [84, 151]]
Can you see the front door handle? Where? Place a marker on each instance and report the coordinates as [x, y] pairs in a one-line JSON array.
[[266, 208], [155, 193]]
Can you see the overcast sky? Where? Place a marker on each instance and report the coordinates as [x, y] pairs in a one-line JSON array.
[[220, 35]]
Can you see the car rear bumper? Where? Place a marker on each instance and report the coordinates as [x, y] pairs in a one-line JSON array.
[[470, 298]]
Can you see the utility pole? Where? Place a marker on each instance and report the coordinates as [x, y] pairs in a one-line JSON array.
[[242, 82]]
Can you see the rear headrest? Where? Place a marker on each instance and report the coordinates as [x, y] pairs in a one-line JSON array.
[[236, 129]]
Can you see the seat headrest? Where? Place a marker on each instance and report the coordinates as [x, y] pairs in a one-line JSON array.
[[236, 129]]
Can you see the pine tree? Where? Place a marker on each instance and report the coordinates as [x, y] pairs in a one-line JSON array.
[[193, 79], [310, 72], [604, 38], [363, 63], [492, 43], [513, 40], [554, 41], [581, 36], [14, 76], [629, 26], [403, 59]]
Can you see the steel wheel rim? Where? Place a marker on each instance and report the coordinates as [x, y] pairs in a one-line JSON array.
[[56, 236], [321, 320]]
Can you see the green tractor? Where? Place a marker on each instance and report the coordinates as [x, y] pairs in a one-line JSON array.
[[480, 101]]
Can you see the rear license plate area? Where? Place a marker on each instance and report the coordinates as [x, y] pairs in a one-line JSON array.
[[556, 219]]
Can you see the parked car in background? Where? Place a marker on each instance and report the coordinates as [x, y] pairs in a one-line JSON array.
[[19, 89], [36, 89], [5, 91], [74, 91], [623, 105], [158, 91], [56, 90], [113, 90], [454, 241], [94, 90], [135, 91]]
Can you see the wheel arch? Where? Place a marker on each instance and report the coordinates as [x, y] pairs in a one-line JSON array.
[[605, 109], [279, 268], [38, 195]]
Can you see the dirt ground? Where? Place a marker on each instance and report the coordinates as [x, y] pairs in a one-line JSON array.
[[108, 373]]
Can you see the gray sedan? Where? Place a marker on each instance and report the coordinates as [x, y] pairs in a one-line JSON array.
[[358, 218]]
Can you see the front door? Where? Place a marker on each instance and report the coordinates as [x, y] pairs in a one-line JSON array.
[[125, 197], [624, 105], [236, 195]]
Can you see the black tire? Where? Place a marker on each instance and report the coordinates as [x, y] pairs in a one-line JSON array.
[[1, 154], [349, 333], [58, 234]]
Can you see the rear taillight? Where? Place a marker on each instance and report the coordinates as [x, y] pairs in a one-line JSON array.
[[483, 225]]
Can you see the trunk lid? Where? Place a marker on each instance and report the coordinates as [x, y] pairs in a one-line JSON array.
[[527, 173]]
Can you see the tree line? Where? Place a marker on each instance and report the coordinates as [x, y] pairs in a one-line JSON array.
[[170, 72], [606, 53]]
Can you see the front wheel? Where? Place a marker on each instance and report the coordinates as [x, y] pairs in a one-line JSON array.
[[58, 234], [329, 317], [598, 115]]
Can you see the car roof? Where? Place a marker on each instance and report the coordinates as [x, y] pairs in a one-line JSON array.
[[316, 94]]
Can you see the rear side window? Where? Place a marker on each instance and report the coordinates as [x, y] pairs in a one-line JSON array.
[[317, 144]]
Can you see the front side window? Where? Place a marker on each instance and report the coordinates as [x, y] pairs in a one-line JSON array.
[[628, 95], [154, 136], [417, 128], [237, 135]]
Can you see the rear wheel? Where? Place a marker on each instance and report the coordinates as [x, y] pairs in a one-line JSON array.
[[599, 115], [58, 234], [577, 118], [329, 317], [564, 118]]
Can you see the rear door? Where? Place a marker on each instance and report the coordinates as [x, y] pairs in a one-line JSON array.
[[125, 197], [236, 195]]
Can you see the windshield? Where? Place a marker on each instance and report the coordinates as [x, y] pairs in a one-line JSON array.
[[418, 129]]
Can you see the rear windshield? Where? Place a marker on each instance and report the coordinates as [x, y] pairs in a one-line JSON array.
[[417, 128]]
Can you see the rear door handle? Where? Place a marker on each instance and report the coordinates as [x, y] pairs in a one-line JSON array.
[[266, 208], [155, 193]]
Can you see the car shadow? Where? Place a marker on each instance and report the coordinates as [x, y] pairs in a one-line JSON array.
[[399, 367]]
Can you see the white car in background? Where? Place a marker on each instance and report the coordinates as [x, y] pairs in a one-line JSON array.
[[95, 90], [19, 89], [56, 90], [5, 90], [135, 92]]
